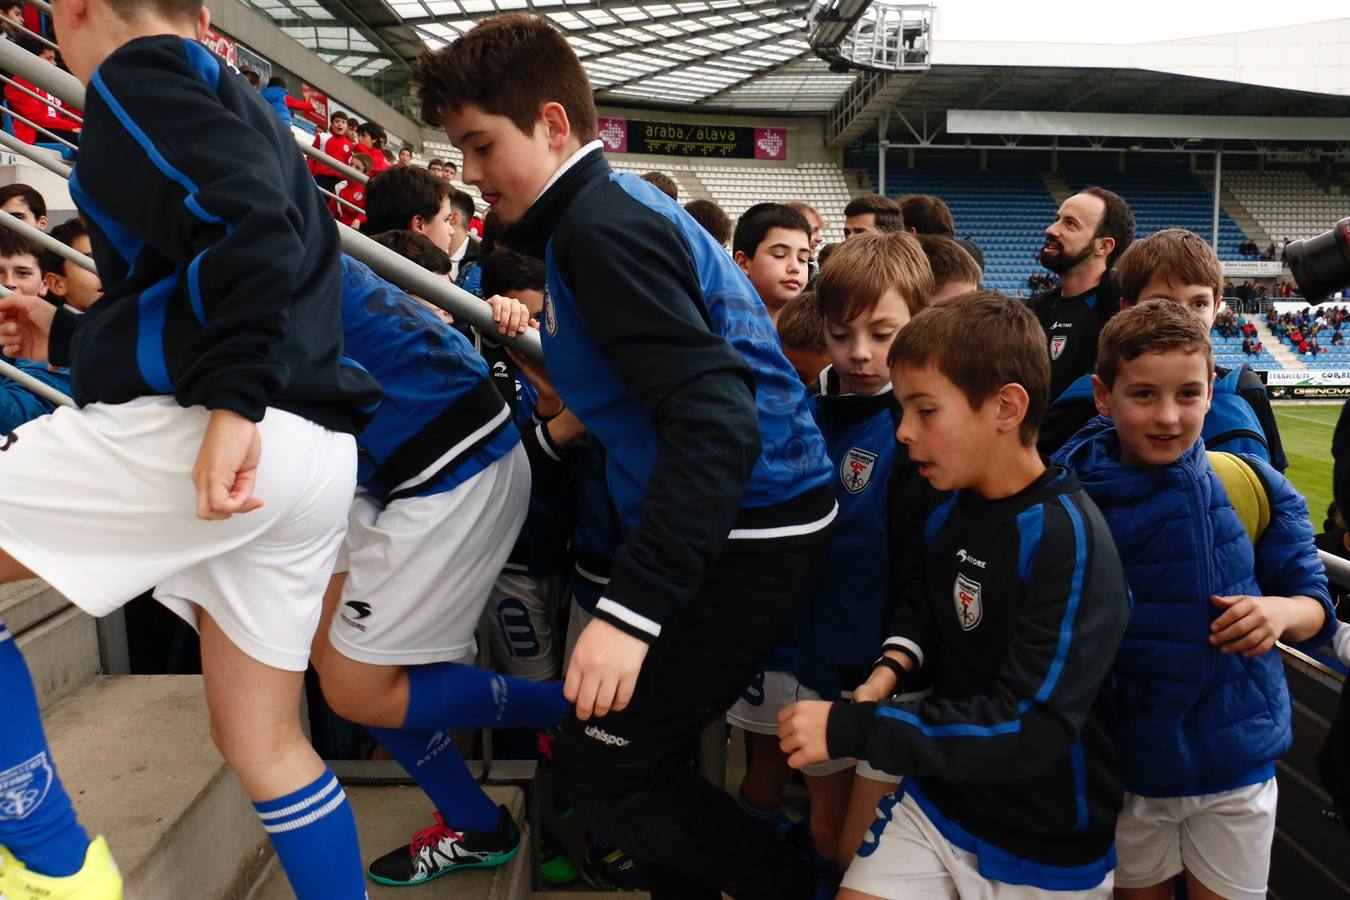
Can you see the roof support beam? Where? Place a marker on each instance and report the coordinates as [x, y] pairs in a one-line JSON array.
[[741, 82], [731, 50], [649, 39], [604, 6]]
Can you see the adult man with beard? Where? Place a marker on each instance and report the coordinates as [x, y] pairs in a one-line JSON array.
[[1090, 232]]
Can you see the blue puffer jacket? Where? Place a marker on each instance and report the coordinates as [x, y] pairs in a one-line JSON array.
[[1193, 720]]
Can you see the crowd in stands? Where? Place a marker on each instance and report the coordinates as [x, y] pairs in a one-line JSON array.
[[968, 565]]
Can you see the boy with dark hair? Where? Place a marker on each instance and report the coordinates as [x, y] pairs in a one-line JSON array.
[[955, 271], [65, 281], [21, 271], [436, 167], [1016, 602], [337, 143], [25, 204], [21, 264], [717, 472], [210, 238], [713, 219], [415, 247], [801, 330], [929, 216], [464, 247], [872, 213], [410, 198], [370, 141], [668, 186], [22, 98], [351, 212], [1182, 267], [772, 245], [1201, 700], [405, 156]]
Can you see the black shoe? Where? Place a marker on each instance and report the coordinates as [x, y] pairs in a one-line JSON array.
[[611, 869], [440, 849]]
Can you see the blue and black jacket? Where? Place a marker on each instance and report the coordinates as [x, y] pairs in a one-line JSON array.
[[657, 342], [219, 259], [1194, 720], [18, 404], [442, 421], [1018, 605], [839, 630], [1239, 420]]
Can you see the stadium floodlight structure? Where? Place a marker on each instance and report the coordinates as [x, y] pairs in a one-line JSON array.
[[878, 35]]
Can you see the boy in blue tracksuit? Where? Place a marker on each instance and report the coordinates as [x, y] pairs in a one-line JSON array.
[[1177, 265], [659, 345], [1203, 708], [1013, 601]]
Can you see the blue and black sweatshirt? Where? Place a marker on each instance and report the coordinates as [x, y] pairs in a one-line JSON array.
[[218, 257], [1018, 605], [661, 347]]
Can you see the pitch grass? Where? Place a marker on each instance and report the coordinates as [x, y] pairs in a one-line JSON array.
[[1306, 431]]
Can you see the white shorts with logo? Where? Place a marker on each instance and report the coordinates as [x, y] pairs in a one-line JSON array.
[[419, 570], [771, 692], [99, 502], [1222, 839], [910, 859], [518, 623]]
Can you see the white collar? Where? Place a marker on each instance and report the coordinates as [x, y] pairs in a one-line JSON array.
[[571, 161]]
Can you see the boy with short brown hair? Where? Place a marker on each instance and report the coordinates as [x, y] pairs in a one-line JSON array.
[[1017, 602], [802, 333], [955, 271], [656, 340]]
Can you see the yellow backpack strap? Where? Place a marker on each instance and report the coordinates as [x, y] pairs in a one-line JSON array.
[[1246, 491]]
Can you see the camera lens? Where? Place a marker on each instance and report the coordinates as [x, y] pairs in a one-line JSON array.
[[1321, 265]]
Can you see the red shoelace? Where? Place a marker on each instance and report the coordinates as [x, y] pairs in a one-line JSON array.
[[432, 837]]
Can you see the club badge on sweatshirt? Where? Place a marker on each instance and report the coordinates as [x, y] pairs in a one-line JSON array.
[[1057, 345], [966, 597], [855, 470]]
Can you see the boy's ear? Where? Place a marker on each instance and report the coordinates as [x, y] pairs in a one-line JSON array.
[[742, 260], [557, 126], [1125, 304], [55, 284], [203, 22], [1100, 393], [1209, 391], [1013, 401]]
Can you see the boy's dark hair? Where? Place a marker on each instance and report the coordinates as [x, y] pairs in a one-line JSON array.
[[668, 186], [14, 244], [506, 271], [276, 81], [492, 232], [338, 115], [463, 202], [35, 202], [712, 217], [373, 129], [7, 5], [864, 268], [509, 65], [1153, 326], [251, 77], [394, 196], [415, 247], [1175, 253], [756, 221], [451, 164], [800, 324], [980, 342], [927, 214], [66, 233], [949, 261], [1117, 221], [885, 211], [824, 253]]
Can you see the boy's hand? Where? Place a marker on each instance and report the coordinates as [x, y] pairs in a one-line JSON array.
[[25, 325], [801, 732], [549, 403], [604, 670], [512, 316], [1249, 625], [878, 686], [227, 466]]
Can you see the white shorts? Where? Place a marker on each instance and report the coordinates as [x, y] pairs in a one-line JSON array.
[[99, 502], [905, 856], [419, 570], [518, 623], [1222, 839]]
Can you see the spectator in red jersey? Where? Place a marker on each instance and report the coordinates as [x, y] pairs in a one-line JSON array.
[[354, 193], [46, 112], [336, 143], [370, 141]]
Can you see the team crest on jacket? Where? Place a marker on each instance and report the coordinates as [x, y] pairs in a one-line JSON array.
[[856, 469], [24, 787], [550, 316], [966, 597], [1057, 345]]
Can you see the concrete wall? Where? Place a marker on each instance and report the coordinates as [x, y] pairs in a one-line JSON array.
[[238, 20], [15, 169]]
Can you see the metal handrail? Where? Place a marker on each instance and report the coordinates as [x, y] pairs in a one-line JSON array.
[[46, 241], [38, 97], [353, 174], [36, 127], [39, 155], [41, 388], [435, 289]]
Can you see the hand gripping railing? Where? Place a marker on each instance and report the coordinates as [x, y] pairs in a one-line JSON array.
[[385, 262]]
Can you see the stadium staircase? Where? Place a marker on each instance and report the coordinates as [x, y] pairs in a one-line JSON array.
[[1286, 358], [1057, 186]]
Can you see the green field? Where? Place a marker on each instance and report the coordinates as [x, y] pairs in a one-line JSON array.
[[1306, 432]]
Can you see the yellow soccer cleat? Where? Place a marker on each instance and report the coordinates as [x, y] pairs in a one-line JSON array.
[[97, 880]]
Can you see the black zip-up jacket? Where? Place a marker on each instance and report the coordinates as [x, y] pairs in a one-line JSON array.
[[1018, 606], [218, 258]]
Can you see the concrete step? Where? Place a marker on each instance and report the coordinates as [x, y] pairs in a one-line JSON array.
[[59, 643], [136, 756], [388, 816]]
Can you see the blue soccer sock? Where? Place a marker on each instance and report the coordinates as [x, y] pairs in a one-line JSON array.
[[314, 834], [457, 697], [431, 759], [37, 822]]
